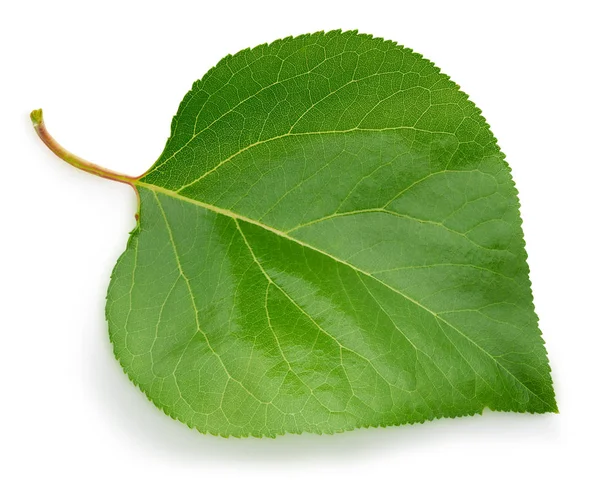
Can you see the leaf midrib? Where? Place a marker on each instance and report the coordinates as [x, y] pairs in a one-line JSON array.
[[222, 211]]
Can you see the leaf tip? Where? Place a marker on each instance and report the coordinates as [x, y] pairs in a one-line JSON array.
[[37, 116]]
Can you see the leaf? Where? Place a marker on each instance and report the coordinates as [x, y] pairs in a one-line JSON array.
[[331, 239]]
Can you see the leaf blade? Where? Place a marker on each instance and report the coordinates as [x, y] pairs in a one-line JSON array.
[[340, 272]]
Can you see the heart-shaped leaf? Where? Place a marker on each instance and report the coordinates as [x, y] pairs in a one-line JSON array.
[[331, 239]]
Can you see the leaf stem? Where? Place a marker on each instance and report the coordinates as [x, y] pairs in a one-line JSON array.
[[38, 124]]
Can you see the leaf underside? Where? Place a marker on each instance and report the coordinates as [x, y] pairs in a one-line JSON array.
[[331, 239]]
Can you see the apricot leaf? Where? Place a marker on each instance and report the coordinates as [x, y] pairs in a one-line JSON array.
[[331, 239]]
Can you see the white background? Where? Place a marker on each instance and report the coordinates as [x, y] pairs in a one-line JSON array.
[[110, 75]]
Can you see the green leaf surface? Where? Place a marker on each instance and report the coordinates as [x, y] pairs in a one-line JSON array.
[[331, 239]]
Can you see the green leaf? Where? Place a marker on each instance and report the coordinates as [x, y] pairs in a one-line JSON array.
[[331, 239]]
